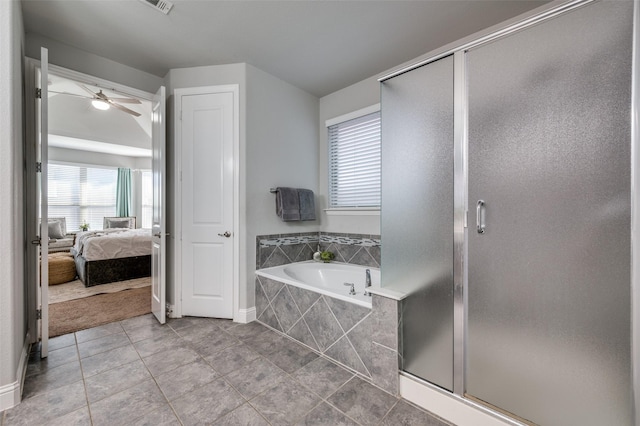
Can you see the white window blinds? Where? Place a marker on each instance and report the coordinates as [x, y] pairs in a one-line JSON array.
[[354, 162], [82, 194]]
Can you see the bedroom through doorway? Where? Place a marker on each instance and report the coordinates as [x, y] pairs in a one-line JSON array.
[[100, 197]]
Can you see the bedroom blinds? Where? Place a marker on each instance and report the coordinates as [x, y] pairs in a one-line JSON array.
[[354, 162], [81, 194]]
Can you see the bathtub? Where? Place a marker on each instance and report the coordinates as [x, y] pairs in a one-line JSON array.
[[326, 278]]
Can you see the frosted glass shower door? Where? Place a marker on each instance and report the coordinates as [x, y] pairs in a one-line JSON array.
[[549, 278], [417, 218]]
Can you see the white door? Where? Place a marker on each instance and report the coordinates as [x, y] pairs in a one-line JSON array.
[[158, 246], [207, 134], [43, 157]]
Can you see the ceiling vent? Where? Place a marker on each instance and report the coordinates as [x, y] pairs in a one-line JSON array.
[[163, 6]]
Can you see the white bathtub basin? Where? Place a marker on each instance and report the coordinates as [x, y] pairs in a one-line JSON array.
[[326, 278]]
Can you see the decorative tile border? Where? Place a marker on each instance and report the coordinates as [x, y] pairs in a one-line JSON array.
[[323, 237], [287, 240], [280, 249], [350, 239]]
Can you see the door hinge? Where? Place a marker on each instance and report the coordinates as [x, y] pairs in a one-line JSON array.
[[38, 167], [38, 93], [38, 313], [37, 241]]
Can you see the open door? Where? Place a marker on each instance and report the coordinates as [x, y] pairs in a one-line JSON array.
[[158, 228], [42, 158]]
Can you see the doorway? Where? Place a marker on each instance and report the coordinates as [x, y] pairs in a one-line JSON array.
[[99, 174]]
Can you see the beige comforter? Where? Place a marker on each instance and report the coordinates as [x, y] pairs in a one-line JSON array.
[[113, 243]]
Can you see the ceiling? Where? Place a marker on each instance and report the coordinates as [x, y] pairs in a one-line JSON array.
[[319, 46], [75, 124]]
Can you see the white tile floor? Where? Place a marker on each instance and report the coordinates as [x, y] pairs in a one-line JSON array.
[[197, 371]]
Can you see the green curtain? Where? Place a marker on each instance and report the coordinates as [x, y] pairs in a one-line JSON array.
[[123, 193]]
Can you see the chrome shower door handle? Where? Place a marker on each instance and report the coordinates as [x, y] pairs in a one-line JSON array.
[[480, 217]]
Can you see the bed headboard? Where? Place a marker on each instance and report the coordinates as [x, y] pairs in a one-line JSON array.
[[119, 222]]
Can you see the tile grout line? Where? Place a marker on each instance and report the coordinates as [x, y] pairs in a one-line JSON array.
[[285, 375], [344, 334], [84, 382], [292, 378], [175, 413], [334, 361]]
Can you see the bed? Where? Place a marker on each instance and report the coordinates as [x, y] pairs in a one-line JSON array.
[[112, 255]]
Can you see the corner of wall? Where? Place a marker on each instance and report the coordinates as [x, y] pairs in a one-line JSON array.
[[11, 393], [13, 321]]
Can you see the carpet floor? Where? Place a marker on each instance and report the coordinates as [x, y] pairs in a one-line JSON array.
[[75, 315], [77, 290]]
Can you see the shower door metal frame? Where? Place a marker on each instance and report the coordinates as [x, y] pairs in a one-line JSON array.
[[461, 208], [635, 214]]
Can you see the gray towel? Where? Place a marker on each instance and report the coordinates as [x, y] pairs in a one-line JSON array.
[[287, 204], [307, 204]]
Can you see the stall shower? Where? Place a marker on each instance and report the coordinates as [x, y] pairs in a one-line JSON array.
[[507, 216]]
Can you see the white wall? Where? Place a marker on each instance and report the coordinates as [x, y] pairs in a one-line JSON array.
[[13, 321], [98, 158], [278, 147], [281, 150], [78, 60], [360, 95]]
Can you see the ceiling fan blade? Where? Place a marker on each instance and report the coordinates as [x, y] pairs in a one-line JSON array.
[[93, 94], [69, 94], [125, 109], [126, 100]]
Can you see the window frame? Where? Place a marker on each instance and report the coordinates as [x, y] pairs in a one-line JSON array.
[[347, 211]]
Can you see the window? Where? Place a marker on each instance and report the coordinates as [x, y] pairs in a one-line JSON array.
[[82, 194], [147, 198], [354, 160]]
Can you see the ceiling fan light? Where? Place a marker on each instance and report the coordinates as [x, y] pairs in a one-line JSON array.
[[101, 105]]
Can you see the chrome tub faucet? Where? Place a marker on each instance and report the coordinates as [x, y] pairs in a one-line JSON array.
[[367, 282]]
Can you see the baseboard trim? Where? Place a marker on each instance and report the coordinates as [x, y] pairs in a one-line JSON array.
[[448, 406], [246, 315], [11, 393]]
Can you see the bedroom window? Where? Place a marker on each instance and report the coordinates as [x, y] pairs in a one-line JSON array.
[[354, 160], [82, 194], [147, 199]]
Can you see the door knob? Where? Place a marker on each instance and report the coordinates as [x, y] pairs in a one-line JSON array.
[[227, 234]]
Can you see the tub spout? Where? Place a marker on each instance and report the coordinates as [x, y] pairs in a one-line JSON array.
[[367, 282]]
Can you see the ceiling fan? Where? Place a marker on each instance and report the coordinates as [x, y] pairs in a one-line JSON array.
[[102, 101]]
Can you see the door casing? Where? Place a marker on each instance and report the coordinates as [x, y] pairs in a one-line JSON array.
[[31, 206]]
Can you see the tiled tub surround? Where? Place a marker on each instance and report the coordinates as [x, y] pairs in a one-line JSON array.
[[280, 249], [362, 339]]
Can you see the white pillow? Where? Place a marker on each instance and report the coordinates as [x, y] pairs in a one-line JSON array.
[[55, 230], [118, 223]]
